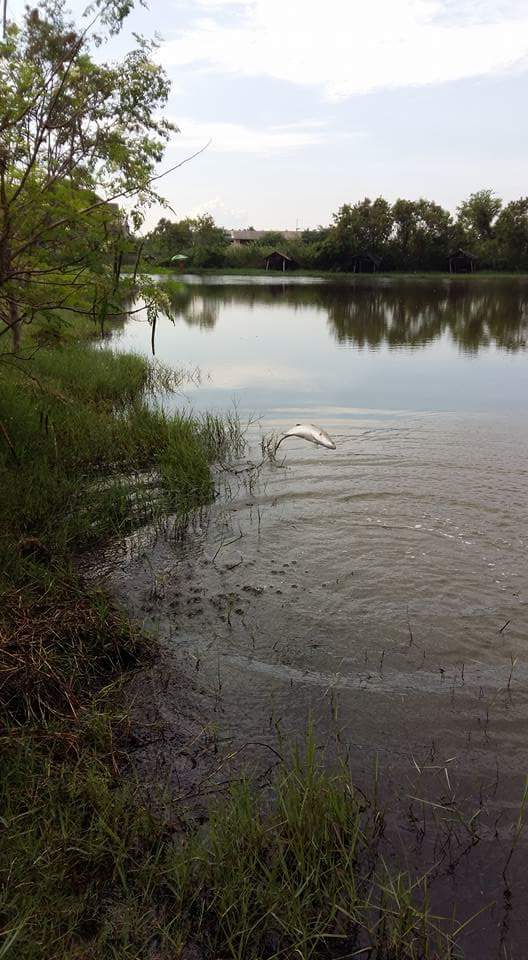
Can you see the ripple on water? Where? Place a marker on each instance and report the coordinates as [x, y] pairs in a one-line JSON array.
[[386, 579]]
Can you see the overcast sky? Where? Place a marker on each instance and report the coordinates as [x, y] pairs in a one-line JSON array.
[[311, 104]]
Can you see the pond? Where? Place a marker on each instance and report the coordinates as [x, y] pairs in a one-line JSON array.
[[381, 589], [279, 347]]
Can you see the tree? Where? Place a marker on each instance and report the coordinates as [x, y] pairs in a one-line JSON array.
[[475, 227], [74, 136], [198, 238], [404, 216], [477, 215], [169, 238], [421, 234], [205, 233], [512, 234], [432, 238], [272, 238], [363, 227], [318, 235]]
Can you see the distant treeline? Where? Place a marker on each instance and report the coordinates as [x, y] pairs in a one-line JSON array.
[[407, 235]]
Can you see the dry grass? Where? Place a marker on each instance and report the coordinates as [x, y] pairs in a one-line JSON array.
[[55, 648]]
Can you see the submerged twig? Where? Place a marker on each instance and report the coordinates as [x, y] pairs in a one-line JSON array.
[[227, 543]]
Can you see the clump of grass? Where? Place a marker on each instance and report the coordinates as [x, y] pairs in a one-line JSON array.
[[184, 464], [84, 414], [222, 436], [93, 874], [302, 879], [77, 846], [192, 445]]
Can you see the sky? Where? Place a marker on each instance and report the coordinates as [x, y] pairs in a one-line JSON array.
[[310, 104]]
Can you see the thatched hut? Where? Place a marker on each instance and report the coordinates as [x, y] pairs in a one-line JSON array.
[[461, 261], [280, 261], [366, 263]]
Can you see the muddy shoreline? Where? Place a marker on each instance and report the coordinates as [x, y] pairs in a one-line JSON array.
[[185, 759], [199, 721]]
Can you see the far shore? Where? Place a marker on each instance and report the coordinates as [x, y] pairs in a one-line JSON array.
[[340, 275]]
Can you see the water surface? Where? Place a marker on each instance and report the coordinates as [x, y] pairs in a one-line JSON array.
[[386, 581], [286, 346]]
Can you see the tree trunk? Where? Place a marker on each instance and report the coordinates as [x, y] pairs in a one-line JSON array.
[[16, 328], [138, 258], [9, 306], [118, 260]]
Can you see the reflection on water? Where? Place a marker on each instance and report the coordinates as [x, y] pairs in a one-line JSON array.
[[398, 314], [434, 345]]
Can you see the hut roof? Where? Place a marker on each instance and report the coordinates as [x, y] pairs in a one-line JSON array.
[[277, 253], [462, 253]]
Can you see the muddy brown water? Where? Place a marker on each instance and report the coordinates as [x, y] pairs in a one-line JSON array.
[[380, 590]]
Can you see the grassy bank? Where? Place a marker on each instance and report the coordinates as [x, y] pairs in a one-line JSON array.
[[79, 446], [479, 277], [88, 870]]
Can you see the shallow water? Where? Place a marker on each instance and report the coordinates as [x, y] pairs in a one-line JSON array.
[[386, 581]]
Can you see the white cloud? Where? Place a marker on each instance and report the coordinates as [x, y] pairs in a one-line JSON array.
[[224, 214], [220, 4], [238, 138], [347, 47]]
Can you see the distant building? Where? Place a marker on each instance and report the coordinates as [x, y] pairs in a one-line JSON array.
[[242, 238], [460, 261], [279, 261], [366, 263]]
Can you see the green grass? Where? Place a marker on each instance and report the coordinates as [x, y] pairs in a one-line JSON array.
[[92, 873], [83, 415], [78, 429], [75, 843], [480, 275], [300, 878], [84, 456]]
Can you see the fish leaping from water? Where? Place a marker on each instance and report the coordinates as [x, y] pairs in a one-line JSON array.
[[270, 445], [308, 431]]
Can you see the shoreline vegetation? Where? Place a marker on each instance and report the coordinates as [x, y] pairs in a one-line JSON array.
[[90, 869], [337, 276], [368, 236]]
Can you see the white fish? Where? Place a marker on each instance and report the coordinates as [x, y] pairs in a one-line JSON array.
[[308, 431]]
